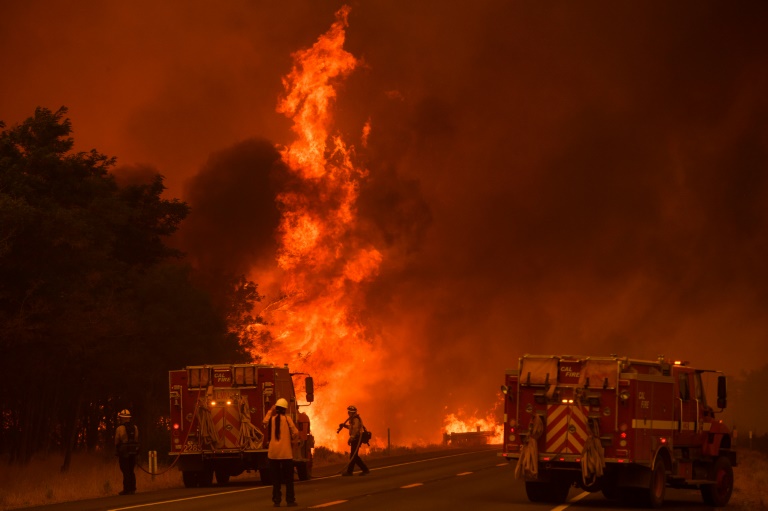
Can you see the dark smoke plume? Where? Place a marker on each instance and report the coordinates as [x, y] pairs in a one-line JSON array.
[[233, 218]]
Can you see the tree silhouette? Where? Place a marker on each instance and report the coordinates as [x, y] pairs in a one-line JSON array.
[[95, 308]]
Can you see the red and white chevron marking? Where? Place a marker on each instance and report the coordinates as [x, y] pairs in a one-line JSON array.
[[229, 437], [566, 431]]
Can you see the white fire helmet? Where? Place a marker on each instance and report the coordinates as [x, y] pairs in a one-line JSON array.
[[282, 403], [124, 414], [352, 408]]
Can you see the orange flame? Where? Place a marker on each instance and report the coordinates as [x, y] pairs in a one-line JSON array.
[[324, 263], [462, 423], [310, 93]]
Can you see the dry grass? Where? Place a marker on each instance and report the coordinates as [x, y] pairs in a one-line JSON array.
[[92, 475], [750, 481]]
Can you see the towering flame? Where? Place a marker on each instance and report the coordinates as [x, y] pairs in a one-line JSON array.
[[324, 260], [324, 264]]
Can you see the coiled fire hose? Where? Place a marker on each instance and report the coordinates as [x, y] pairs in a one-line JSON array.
[[528, 464], [250, 436], [208, 433], [593, 455]]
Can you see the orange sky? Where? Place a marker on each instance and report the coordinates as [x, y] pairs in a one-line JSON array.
[[542, 177]]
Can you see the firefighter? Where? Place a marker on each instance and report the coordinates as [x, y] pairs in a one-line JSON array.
[[356, 429], [281, 434], [126, 448]]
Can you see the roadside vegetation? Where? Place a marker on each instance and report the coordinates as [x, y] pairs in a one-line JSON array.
[[42, 482], [751, 481]]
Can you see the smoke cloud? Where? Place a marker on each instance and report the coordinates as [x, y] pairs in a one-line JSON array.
[[542, 177], [231, 228]]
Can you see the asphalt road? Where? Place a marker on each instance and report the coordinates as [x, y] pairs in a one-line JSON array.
[[446, 480]]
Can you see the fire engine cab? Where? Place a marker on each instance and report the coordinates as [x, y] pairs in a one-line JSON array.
[[626, 427], [216, 420]]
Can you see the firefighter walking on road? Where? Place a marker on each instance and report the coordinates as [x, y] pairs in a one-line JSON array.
[[356, 428], [126, 448], [281, 434]]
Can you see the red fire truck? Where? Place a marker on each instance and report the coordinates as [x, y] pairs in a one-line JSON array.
[[216, 420], [628, 428]]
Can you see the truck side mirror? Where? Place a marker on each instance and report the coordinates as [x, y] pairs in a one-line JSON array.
[[309, 385], [721, 392]]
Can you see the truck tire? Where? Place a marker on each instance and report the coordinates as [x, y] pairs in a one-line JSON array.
[[552, 492], [719, 493], [266, 475], [304, 470], [654, 495], [611, 492], [222, 477], [206, 477], [190, 478]]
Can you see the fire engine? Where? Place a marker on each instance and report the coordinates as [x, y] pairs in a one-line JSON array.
[[629, 428], [216, 420]]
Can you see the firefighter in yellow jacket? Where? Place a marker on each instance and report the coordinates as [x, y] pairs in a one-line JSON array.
[[282, 434]]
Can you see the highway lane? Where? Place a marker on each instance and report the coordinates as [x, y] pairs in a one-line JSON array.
[[447, 480]]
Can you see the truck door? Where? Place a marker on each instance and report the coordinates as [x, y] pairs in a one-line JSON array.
[[703, 411], [686, 408]]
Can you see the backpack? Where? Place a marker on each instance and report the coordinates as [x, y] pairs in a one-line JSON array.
[[131, 447], [366, 435]]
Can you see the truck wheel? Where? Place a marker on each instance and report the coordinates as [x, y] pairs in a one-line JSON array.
[[553, 492], [611, 492], [304, 469], [535, 491], [191, 479], [719, 493], [266, 475], [206, 477], [654, 495], [222, 478]]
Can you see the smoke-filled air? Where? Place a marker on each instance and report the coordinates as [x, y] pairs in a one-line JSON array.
[[425, 191]]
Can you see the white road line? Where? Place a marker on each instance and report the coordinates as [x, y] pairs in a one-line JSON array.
[[190, 498], [414, 485], [464, 474], [328, 504], [574, 499], [423, 461], [269, 487], [503, 465]]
